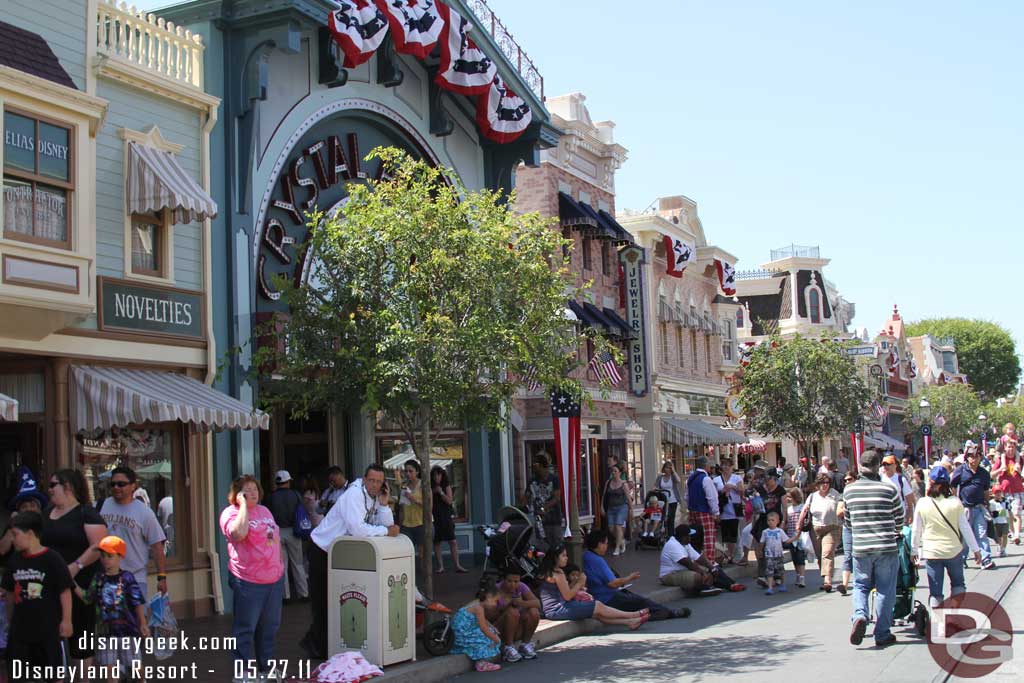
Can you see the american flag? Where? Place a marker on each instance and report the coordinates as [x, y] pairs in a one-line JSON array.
[[940, 421], [565, 416], [603, 365], [529, 379], [879, 411]]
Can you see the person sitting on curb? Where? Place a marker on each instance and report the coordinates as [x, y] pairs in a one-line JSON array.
[[685, 567], [516, 614], [605, 586], [565, 600]]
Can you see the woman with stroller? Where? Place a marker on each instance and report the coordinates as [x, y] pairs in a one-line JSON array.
[[938, 534], [562, 601], [669, 483]]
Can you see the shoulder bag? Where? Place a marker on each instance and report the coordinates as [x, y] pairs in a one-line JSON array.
[[939, 510]]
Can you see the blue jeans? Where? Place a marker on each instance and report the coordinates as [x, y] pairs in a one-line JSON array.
[[937, 570], [979, 525], [257, 609], [847, 549], [878, 571]]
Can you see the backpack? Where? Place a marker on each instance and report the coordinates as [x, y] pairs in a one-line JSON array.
[[302, 527]]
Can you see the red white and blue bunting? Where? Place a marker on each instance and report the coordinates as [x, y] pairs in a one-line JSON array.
[[415, 25], [726, 277], [501, 114], [678, 255], [894, 361], [464, 68], [359, 27]]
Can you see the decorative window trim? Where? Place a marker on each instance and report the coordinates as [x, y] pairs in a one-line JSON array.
[[151, 138], [820, 307]]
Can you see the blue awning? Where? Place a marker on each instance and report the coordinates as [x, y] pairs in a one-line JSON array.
[[613, 315], [572, 215], [623, 235]]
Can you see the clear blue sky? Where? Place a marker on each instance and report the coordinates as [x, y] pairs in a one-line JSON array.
[[890, 134]]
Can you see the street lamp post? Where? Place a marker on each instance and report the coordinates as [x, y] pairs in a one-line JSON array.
[[925, 411], [983, 446]]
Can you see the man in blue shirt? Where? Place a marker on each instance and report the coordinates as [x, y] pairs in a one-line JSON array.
[[609, 589], [974, 482]]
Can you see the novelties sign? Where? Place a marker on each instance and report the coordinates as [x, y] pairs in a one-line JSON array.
[[632, 259], [149, 309]]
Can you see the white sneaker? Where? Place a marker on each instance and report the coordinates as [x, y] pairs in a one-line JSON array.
[[527, 651], [511, 654]]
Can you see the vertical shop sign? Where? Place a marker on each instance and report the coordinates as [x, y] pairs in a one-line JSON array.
[[633, 259]]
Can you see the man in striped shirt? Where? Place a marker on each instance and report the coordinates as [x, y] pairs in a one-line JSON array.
[[875, 514]]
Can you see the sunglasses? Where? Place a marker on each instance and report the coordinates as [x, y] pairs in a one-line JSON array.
[[120, 484], [53, 484]]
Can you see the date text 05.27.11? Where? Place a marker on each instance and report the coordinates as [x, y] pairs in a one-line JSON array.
[[282, 669]]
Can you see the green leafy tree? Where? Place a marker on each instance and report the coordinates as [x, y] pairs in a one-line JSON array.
[[802, 389], [427, 303], [985, 350], [959, 407], [998, 415]]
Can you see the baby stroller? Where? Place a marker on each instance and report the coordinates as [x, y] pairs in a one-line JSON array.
[[655, 508], [906, 609], [509, 543]]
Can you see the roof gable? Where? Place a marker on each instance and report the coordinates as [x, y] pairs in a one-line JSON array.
[[28, 52]]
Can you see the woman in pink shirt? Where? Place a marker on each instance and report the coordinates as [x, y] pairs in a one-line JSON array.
[[1006, 470], [257, 576]]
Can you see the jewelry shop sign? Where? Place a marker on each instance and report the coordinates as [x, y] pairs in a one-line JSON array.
[[632, 259], [147, 309]]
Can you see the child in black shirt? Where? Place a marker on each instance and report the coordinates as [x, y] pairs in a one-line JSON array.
[[38, 590]]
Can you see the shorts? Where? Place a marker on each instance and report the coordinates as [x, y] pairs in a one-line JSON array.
[[1016, 503], [775, 567], [796, 551], [1001, 529], [617, 515], [414, 533], [444, 531], [730, 530], [572, 610], [121, 656], [45, 653]]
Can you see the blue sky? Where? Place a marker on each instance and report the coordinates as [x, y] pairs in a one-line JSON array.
[[890, 134]]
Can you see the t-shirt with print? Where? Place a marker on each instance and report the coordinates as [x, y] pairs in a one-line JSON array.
[[257, 557], [116, 598], [672, 553], [34, 583], [772, 540], [541, 492], [138, 527], [772, 503]]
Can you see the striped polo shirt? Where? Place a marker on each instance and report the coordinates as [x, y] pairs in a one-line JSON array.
[[875, 513]]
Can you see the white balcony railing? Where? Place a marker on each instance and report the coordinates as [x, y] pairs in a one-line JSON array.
[[509, 46], [147, 41]]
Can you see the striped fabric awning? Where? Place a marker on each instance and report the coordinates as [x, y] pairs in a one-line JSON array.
[[8, 409], [156, 181], [105, 397]]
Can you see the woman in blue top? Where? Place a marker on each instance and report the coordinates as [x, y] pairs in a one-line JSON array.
[[562, 601]]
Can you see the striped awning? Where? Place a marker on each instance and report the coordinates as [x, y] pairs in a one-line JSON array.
[[156, 181], [105, 397], [8, 409], [687, 432]]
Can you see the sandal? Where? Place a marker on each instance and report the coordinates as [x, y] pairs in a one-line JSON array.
[[439, 571], [484, 665], [742, 563], [461, 570], [639, 622]]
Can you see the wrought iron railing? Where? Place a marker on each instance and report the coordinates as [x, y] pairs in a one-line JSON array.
[[756, 274], [795, 251], [508, 45]]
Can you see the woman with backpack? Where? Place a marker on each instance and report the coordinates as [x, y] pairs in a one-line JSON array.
[[938, 534]]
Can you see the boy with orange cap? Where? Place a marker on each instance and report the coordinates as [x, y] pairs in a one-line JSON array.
[[120, 608]]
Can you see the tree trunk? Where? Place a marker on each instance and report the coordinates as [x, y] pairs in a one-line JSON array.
[[427, 484]]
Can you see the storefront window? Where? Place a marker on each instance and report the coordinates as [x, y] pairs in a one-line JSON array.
[[448, 452], [148, 451], [635, 468], [37, 180]]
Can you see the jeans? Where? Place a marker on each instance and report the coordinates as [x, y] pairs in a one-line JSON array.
[[878, 571], [631, 602], [979, 525], [294, 563], [937, 570], [847, 549], [257, 609]]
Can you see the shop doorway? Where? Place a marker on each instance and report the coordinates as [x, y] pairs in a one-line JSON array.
[[305, 447], [21, 443]]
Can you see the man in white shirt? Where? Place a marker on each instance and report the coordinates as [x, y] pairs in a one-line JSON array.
[[891, 473], [681, 565], [731, 485], [361, 511]]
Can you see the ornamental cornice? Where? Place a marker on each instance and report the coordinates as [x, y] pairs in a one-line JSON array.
[[43, 90], [146, 80]]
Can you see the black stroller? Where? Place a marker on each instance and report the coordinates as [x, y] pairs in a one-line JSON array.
[[509, 542], [655, 511]]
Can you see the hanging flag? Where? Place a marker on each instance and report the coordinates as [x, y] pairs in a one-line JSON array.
[[603, 365], [529, 379], [894, 360], [678, 255], [501, 114], [746, 351], [565, 416], [940, 421], [912, 368], [415, 25], [464, 67], [726, 277], [359, 27], [879, 411]]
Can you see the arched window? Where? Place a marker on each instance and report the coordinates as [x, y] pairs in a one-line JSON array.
[[739, 318], [814, 302]]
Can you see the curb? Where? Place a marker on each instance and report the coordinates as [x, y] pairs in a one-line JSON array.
[[548, 633]]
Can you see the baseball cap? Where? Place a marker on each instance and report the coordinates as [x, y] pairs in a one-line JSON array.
[[113, 545], [282, 477], [939, 475]]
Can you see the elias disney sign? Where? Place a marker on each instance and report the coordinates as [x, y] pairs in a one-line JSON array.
[[632, 260]]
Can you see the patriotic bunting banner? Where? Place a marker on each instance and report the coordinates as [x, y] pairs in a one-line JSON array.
[[894, 361], [415, 25], [464, 68], [726, 277], [603, 365], [678, 255], [746, 350], [912, 368], [501, 114], [359, 27], [565, 416], [858, 448]]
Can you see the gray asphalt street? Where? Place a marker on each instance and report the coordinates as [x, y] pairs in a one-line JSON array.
[[803, 635]]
